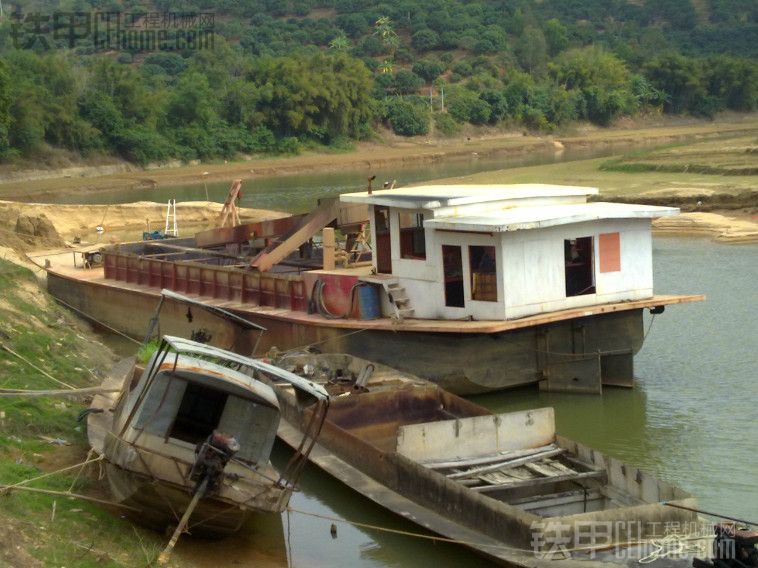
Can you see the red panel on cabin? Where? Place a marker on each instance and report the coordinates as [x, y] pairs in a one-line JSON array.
[[336, 292], [610, 252]]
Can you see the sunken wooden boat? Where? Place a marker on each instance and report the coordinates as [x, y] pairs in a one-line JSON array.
[[497, 483], [191, 433]]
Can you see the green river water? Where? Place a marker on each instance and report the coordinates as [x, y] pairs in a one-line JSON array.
[[692, 419]]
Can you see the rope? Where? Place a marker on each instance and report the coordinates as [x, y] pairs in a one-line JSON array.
[[668, 539], [8, 393], [98, 322], [25, 481], [25, 360], [327, 340], [72, 495], [670, 545]]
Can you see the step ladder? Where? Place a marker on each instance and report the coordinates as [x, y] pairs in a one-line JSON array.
[[396, 294], [172, 228], [399, 300]]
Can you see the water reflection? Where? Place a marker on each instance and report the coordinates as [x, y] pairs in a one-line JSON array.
[[297, 193]]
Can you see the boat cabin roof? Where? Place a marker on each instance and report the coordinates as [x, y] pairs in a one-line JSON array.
[[521, 218], [437, 196], [193, 348], [216, 376]]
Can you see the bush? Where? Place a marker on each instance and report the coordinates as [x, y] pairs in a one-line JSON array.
[[428, 69], [406, 118], [425, 40], [468, 107], [446, 124], [407, 82]]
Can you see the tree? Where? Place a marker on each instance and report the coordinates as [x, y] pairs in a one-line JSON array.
[[425, 40], [428, 69], [406, 118], [5, 105], [531, 50], [407, 82], [556, 36], [340, 43], [679, 77]]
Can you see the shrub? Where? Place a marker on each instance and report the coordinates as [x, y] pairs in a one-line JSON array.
[[406, 118]]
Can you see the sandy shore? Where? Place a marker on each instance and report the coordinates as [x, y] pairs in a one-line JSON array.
[[21, 185], [723, 228], [121, 222]]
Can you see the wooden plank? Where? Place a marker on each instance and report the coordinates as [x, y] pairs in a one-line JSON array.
[[505, 464], [537, 481], [487, 459], [555, 499], [312, 223]]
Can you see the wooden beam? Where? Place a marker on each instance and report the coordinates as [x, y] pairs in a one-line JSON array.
[[538, 481], [505, 464], [488, 459], [312, 224]]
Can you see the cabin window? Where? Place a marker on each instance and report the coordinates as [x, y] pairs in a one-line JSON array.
[[452, 268], [412, 236], [609, 245], [580, 277], [199, 413], [483, 265]]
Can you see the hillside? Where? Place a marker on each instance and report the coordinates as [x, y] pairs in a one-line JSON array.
[[185, 81]]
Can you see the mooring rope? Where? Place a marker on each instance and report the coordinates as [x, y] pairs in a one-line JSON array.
[[655, 542], [25, 360]]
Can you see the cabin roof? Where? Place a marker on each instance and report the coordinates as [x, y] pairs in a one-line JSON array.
[[436, 196], [522, 218], [209, 370], [188, 347]]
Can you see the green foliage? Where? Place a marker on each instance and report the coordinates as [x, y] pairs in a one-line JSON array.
[[446, 124], [407, 118], [428, 69], [287, 75], [407, 82]]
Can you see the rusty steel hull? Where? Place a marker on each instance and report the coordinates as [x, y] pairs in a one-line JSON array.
[[357, 446], [561, 355], [160, 503]]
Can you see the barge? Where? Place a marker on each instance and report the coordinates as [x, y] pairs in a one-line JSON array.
[[504, 485], [477, 288]]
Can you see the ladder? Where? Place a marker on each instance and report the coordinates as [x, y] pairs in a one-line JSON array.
[[172, 229], [229, 213]]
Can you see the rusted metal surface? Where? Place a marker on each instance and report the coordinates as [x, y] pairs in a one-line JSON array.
[[356, 447], [285, 291]]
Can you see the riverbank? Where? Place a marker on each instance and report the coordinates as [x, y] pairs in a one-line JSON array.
[[120, 222], [714, 183], [392, 150]]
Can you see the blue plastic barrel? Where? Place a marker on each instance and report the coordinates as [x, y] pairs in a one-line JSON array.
[[369, 306]]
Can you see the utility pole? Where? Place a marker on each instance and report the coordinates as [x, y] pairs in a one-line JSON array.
[[442, 98]]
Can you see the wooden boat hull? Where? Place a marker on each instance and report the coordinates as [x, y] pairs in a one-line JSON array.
[[581, 354]]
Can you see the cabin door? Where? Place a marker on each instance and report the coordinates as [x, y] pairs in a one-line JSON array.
[[383, 247], [452, 268]]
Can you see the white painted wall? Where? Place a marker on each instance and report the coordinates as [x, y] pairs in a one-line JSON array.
[[530, 269], [535, 274]]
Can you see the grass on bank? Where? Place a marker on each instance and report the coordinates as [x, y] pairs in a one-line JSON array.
[[79, 533], [657, 172]]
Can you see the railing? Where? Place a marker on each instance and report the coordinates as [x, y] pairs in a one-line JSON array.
[[285, 291]]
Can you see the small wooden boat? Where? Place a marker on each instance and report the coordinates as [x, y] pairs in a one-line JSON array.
[[501, 484], [191, 433]]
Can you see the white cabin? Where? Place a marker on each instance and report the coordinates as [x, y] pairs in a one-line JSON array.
[[494, 252]]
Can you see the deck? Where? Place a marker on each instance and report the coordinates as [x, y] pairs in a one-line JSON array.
[[95, 276]]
